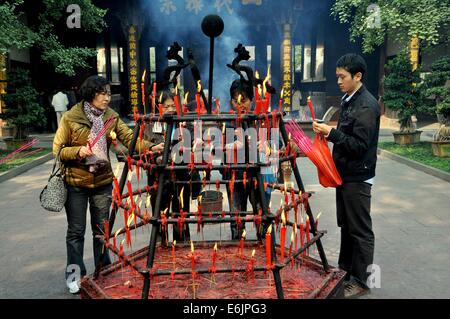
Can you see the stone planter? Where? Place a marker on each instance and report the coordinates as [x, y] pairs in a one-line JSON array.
[[8, 131], [406, 138], [441, 149]]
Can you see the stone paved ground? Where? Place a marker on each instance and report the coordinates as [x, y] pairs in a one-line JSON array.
[[410, 211]]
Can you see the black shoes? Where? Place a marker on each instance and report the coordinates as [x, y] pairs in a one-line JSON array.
[[353, 290]]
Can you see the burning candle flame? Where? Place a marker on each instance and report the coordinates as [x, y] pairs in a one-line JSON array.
[[266, 79], [256, 74], [199, 86], [318, 216], [174, 243], [176, 89], [117, 232], [147, 202], [192, 247], [130, 175], [113, 135], [186, 97], [244, 233], [269, 229], [143, 76], [292, 236], [130, 219], [253, 253], [181, 198], [215, 247], [282, 93], [239, 99], [160, 98], [283, 218]]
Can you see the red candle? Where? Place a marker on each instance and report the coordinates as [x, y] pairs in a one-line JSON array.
[[238, 106], [302, 231], [283, 234], [121, 249], [106, 228], [143, 91], [160, 106], [214, 258], [217, 101], [281, 100], [177, 103], [258, 87], [308, 238], [251, 265], [317, 221], [130, 192], [116, 187], [173, 253], [311, 108], [241, 243], [192, 258], [292, 240], [154, 97], [268, 248], [223, 136], [197, 97]]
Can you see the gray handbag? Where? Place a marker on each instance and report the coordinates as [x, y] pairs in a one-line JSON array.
[[54, 195]]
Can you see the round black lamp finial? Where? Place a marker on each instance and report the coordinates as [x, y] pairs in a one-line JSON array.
[[212, 25]]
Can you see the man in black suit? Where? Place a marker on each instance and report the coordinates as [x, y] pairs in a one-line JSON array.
[[355, 154]]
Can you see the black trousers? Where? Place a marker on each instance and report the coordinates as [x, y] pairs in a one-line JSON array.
[[357, 237], [239, 203], [171, 194], [76, 209]]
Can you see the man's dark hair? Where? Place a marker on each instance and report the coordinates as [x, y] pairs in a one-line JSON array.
[[241, 87], [353, 63], [164, 95], [91, 86]]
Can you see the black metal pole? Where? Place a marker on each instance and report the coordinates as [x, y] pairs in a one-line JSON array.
[[211, 74], [300, 185], [156, 212]]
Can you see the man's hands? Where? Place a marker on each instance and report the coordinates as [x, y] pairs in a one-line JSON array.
[[321, 128], [157, 148], [84, 152]]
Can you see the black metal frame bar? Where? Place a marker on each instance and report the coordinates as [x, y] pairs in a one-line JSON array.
[[254, 173]]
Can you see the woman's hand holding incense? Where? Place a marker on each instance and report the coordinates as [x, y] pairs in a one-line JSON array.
[[85, 151]]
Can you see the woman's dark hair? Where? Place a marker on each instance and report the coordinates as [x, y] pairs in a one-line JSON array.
[[91, 86], [352, 63], [241, 87]]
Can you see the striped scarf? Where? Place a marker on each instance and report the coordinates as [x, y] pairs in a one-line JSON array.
[[100, 150]]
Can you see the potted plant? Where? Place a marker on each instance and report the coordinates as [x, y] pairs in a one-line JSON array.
[[402, 95], [436, 86], [22, 109]]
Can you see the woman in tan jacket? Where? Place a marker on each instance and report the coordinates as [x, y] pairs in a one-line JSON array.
[[88, 172]]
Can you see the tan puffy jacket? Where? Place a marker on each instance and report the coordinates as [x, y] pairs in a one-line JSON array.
[[73, 133]]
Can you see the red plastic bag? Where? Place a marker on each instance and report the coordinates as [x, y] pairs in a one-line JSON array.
[[327, 171], [318, 152]]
